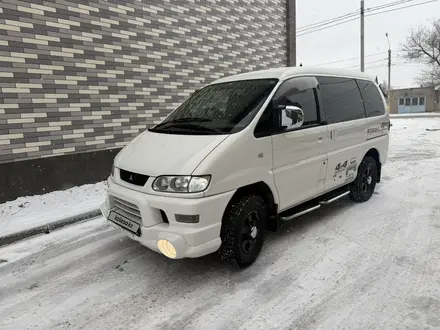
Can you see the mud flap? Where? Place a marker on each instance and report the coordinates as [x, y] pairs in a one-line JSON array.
[[379, 172]]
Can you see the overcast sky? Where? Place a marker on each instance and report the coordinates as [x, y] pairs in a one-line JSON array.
[[343, 41]]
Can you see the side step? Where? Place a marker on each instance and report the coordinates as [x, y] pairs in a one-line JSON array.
[[334, 199], [314, 204], [298, 213]]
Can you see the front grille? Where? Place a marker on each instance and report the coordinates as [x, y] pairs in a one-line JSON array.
[[127, 210], [133, 178]]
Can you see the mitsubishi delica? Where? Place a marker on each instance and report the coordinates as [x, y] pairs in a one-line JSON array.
[[245, 154]]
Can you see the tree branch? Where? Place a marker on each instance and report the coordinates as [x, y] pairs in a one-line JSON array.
[[423, 44]]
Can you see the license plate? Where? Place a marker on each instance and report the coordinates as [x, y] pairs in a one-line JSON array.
[[124, 222]]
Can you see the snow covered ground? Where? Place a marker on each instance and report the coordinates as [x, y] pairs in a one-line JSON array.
[[374, 265], [415, 115], [33, 211]]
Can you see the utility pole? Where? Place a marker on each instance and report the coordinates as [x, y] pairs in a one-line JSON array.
[[389, 70], [362, 37]]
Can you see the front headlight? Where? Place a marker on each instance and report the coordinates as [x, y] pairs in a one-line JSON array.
[[181, 183]]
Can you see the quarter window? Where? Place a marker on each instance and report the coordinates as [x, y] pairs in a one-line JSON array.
[[341, 98], [373, 100]]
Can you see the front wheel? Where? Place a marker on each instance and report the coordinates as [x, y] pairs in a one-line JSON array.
[[243, 230], [363, 186]]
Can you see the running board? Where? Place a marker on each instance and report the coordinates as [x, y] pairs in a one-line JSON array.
[[314, 204], [293, 216], [334, 199]]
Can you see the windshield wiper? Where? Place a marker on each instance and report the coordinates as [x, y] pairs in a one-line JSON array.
[[183, 120], [179, 120], [185, 125]]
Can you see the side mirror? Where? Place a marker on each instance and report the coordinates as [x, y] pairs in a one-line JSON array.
[[292, 117]]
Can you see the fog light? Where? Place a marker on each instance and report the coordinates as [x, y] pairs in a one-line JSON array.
[[167, 248]]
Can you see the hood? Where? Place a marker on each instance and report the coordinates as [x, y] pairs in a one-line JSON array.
[[157, 154]]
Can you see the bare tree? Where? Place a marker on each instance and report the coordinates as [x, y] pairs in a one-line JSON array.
[[384, 85], [429, 77], [384, 88], [423, 45]]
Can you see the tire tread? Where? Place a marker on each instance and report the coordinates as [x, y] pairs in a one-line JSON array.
[[227, 251], [356, 193]]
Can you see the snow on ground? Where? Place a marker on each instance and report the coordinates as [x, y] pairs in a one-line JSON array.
[[346, 266], [33, 211], [415, 115]]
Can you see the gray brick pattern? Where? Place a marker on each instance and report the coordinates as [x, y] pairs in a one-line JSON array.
[[291, 32], [85, 75]]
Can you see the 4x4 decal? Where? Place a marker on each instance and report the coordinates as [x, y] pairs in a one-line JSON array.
[[345, 169]]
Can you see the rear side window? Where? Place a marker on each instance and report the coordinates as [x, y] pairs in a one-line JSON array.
[[341, 98], [372, 98]]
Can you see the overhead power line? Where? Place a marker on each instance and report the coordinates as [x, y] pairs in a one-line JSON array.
[[387, 5], [381, 9], [349, 15], [336, 23], [358, 57], [409, 64], [414, 5], [351, 59], [376, 66], [328, 21], [353, 66]]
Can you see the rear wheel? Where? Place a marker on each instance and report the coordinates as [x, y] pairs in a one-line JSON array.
[[363, 186], [243, 230]]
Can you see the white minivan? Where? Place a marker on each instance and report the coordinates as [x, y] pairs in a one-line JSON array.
[[243, 155]]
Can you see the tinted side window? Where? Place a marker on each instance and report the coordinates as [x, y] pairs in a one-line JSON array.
[[373, 100], [300, 92], [342, 99]]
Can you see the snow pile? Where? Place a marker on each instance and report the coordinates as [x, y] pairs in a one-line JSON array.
[[32, 211]]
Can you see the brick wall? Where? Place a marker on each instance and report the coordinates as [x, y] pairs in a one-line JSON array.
[[84, 75], [291, 32]]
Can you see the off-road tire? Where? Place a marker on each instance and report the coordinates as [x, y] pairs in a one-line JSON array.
[[363, 186], [232, 250]]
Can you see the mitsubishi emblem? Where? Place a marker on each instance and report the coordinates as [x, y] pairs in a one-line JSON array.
[[131, 177]]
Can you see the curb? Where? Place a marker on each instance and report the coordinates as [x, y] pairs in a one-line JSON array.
[[46, 229]]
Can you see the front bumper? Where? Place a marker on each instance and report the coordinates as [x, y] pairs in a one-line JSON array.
[[190, 240]]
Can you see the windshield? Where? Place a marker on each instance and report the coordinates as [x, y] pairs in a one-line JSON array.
[[223, 108]]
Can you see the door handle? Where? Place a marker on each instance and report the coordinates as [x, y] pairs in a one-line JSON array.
[[320, 139]]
